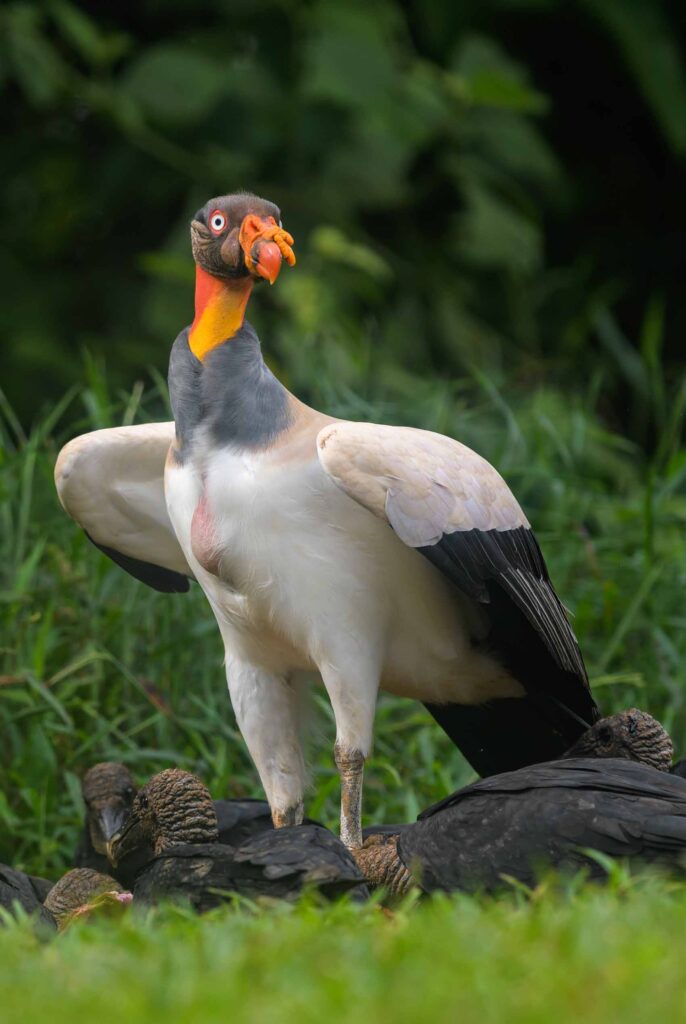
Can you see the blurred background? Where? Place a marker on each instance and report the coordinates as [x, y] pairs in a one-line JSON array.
[[489, 202], [490, 184]]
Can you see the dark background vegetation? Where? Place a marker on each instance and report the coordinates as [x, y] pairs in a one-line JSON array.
[[496, 183], [488, 199]]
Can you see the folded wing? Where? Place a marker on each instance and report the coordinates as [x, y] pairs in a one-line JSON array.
[[453, 507], [111, 482]]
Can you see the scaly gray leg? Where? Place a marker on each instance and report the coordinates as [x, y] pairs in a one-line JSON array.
[[350, 764]]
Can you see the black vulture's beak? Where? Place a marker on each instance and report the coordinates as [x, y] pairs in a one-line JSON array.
[[129, 838], [110, 820]]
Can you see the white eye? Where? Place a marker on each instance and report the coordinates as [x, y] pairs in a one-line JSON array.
[[217, 222]]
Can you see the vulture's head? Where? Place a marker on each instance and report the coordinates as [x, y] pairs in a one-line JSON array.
[[108, 791], [82, 892], [239, 236], [631, 734], [172, 809]]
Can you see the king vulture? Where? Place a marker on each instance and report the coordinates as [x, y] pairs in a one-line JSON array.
[[379, 556]]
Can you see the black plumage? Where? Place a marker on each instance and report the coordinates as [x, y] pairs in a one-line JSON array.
[[85, 855], [166, 581], [505, 572], [232, 393], [26, 891], [240, 820], [279, 863], [547, 815], [244, 819], [175, 816], [41, 886], [110, 787]]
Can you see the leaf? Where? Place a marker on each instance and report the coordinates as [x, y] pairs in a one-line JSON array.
[[494, 233], [349, 57], [514, 143], [95, 46], [331, 243], [41, 72], [652, 51], [175, 84], [486, 76]]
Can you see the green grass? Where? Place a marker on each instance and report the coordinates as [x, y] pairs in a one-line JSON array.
[[587, 955], [94, 666]]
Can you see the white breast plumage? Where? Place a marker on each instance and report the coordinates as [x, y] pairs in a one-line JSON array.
[[323, 579]]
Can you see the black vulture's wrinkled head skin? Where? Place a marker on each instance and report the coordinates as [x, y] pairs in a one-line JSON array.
[[82, 891], [172, 809], [240, 236], [631, 734], [108, 791]]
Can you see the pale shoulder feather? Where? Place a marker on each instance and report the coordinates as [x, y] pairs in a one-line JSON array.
[[424, 484], [111, 482]]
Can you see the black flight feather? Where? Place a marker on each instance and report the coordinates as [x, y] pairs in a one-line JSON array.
[[167, 581], [529, 634]]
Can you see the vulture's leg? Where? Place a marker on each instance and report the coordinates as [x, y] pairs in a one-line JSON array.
[[266, 708], [350, 764], [353, 705]]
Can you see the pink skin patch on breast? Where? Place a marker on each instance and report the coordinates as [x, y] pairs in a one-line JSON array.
[[204, 543]]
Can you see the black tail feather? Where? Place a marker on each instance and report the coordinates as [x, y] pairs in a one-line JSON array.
[[507, 733]]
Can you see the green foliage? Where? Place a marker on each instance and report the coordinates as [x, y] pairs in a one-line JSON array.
[[413, 149], [96, 666], [488, 246], [643, 32], [577, 954]]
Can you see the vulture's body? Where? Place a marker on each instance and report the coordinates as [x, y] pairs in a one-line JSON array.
[[521, 824], [174, 816], [279, 864], [241, 820], [25, 891], [383, 557]]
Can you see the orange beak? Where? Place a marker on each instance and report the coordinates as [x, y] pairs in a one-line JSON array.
[[264, 246]]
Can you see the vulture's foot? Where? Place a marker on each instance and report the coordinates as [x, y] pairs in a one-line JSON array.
[[380, 864], [291, 816]]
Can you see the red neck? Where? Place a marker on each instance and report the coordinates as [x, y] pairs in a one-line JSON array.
[[219, 310]]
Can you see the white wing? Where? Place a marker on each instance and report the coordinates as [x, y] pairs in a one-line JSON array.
[[426, 485], [443, 498], [111, 482]]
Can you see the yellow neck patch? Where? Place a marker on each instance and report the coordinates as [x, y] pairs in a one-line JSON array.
[[219, 311]]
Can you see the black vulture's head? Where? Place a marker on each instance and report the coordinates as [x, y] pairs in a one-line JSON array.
[[631, 734], [82, 892], [172, 809], [108, 791], [240, 236]]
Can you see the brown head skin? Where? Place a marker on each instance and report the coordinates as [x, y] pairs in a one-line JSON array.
[[108, 791], [173, 809], [240, 236], [83, 891], [631, 734]]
